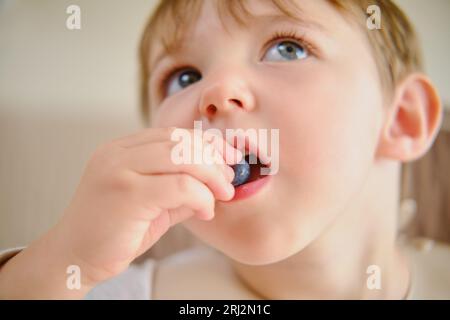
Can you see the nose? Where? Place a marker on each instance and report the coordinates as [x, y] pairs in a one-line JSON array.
[[226, 93]]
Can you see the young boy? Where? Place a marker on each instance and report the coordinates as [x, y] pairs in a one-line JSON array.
[[350, 103]]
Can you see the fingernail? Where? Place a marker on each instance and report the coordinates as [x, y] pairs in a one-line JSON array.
[[230, 190], [229, 172]]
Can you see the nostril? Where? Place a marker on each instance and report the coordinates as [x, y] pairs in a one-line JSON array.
[[239, 103], [211, 110]]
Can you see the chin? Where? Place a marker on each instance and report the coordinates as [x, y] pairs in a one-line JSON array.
[[253, 246], [259, 255]]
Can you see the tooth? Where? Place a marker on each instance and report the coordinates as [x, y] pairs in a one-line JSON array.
[[252, 159]]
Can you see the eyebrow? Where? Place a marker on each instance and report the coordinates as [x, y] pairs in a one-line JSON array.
[[271, 18]]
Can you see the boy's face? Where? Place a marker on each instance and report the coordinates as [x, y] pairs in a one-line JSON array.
[[326, 103]]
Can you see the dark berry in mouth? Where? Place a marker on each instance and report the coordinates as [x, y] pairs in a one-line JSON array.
[[241, 173]]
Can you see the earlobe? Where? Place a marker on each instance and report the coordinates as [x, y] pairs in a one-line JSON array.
[[412, 121]]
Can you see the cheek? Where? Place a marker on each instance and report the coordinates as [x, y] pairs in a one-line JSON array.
[[329, 126]]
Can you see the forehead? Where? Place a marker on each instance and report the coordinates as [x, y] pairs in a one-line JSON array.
[[219, 16]]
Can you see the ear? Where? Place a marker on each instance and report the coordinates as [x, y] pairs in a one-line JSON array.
[[412, 121]]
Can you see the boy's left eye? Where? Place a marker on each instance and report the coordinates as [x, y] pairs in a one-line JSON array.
[[287, 49]]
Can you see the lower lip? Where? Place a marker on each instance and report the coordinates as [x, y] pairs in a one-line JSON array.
[[249, 189]]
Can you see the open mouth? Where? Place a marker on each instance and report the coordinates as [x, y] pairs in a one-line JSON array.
[[248, 170]]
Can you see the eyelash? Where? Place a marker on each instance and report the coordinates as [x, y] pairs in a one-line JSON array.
[[292, 35], [278, 35]]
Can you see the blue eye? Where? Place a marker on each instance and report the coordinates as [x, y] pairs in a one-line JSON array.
[[181, 81], [290, 45], [287, 50]]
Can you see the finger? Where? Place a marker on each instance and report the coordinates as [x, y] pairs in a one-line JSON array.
[[157, 158], [158, 227], [181, 214], [147, 135], [230, 154], [161, 224], [171, 191]]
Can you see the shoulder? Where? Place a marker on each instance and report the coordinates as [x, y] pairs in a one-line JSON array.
[[197, 273], [429, 261]]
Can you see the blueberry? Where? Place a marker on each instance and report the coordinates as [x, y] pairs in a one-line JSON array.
[[241, 173]]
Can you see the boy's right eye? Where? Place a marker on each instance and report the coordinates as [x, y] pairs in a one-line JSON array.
[[180, 80]]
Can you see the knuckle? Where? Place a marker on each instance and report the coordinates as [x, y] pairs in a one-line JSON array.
[[169, 145], [122, 181], [183, 183], [170, 151], [212, 174], [170, 130]]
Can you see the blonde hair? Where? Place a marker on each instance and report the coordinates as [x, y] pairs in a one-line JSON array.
[[395, 46]]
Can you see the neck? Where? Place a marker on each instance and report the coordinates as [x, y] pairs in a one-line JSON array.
[[335, 265]]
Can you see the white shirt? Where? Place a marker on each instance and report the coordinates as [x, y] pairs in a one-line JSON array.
[[430, 262]]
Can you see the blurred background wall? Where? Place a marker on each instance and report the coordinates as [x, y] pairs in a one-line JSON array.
[[63, 92]]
